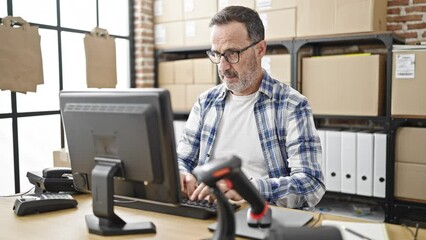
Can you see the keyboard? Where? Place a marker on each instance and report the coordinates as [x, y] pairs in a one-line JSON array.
[[200, 209]]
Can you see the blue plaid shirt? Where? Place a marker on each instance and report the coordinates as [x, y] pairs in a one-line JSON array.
[[289, 142]]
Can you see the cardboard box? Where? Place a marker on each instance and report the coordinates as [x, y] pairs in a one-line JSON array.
[[410, 181], [193, 91], [279, 24], [408, 83], [197, 32], [169, 35], [177, 96], [168, 11], [221, 4], [345, 84], [266, 5], [166, 74], [315, 17], [278, 66], [183, 73], [340, 16], [360, 16], [204, 71], [410, 145], [195, 9]]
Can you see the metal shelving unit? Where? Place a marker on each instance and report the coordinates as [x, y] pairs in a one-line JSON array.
[[396, 211]]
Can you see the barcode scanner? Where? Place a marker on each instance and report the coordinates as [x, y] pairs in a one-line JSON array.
[[229, 169]]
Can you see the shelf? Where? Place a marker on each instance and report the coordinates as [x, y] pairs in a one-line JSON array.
[[344, 117], [183, 116], [342, 204], [184, 50], [385, 37], [410, 213]]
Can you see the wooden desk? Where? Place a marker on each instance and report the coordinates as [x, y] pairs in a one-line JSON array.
[[71, 224]]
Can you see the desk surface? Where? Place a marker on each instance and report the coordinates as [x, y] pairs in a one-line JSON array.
[[70, 224]]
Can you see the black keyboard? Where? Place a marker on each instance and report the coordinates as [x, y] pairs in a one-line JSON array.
[[193, 209]]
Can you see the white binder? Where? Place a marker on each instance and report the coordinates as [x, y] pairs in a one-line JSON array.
[[379, 175], [364, 170], [348, 161], [332, 163], [321, 134]]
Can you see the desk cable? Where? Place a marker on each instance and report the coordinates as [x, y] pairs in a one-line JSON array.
[[19, 194], [413, 234]]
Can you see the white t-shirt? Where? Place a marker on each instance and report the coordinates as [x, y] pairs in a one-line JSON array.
[[238, 135]]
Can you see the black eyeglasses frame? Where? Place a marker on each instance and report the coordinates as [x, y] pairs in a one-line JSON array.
[[211, 54]]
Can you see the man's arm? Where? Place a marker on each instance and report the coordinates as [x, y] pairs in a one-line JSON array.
[[189, 144], [188, 151], [304, 186]]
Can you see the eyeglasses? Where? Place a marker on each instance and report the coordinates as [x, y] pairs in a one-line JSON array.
[[231, 56]]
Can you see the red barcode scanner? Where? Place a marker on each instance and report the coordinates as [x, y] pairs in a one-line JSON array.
[[229, 169]]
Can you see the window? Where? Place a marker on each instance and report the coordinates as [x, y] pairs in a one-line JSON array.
[[30, 125]]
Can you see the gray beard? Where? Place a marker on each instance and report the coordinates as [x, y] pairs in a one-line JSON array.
[[245, 81]]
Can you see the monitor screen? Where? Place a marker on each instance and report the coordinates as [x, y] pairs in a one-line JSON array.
[[129, 133]]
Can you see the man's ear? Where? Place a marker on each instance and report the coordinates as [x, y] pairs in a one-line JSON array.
[[261, 48]]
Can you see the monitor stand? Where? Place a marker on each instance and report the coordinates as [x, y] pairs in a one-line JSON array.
[[104, 221]]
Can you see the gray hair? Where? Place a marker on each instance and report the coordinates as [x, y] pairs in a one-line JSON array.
[[247, 16]]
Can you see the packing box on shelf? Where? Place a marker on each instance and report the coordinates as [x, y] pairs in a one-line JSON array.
[[204, 71], [345, 84], [278, 66], [197, 32], [410, 181], [340, 16], [221, 4], [166, 72], [408, 81], [410, 145], [265, 5], [183, 71], [168, 10], [169, 35], [195, 9], [177, 96], [279, 24]]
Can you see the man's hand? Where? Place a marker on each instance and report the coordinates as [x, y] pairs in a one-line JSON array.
[[203, 192], [188, 184]]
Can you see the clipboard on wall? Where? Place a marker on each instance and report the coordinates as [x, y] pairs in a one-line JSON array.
[[101, 70]]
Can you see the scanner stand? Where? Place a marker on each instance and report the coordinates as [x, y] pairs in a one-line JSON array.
[[104, 221], [226, 218]]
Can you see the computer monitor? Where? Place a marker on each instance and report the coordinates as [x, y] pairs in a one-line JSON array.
[[121, 142]]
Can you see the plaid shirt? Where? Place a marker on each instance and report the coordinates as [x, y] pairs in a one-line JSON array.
[[290, 143]]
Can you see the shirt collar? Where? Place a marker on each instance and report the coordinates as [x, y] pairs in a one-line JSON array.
[[267, 85]]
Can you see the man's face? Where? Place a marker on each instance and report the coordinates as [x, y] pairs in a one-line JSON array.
[[241, 78]]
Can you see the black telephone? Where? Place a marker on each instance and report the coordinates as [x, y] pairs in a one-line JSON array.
[[52, 180], [43, 202]]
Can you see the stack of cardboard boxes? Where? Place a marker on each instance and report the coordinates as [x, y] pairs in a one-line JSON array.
[[185, 80], [410, 164], [351, 84], [184, 23], [408, 101]]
